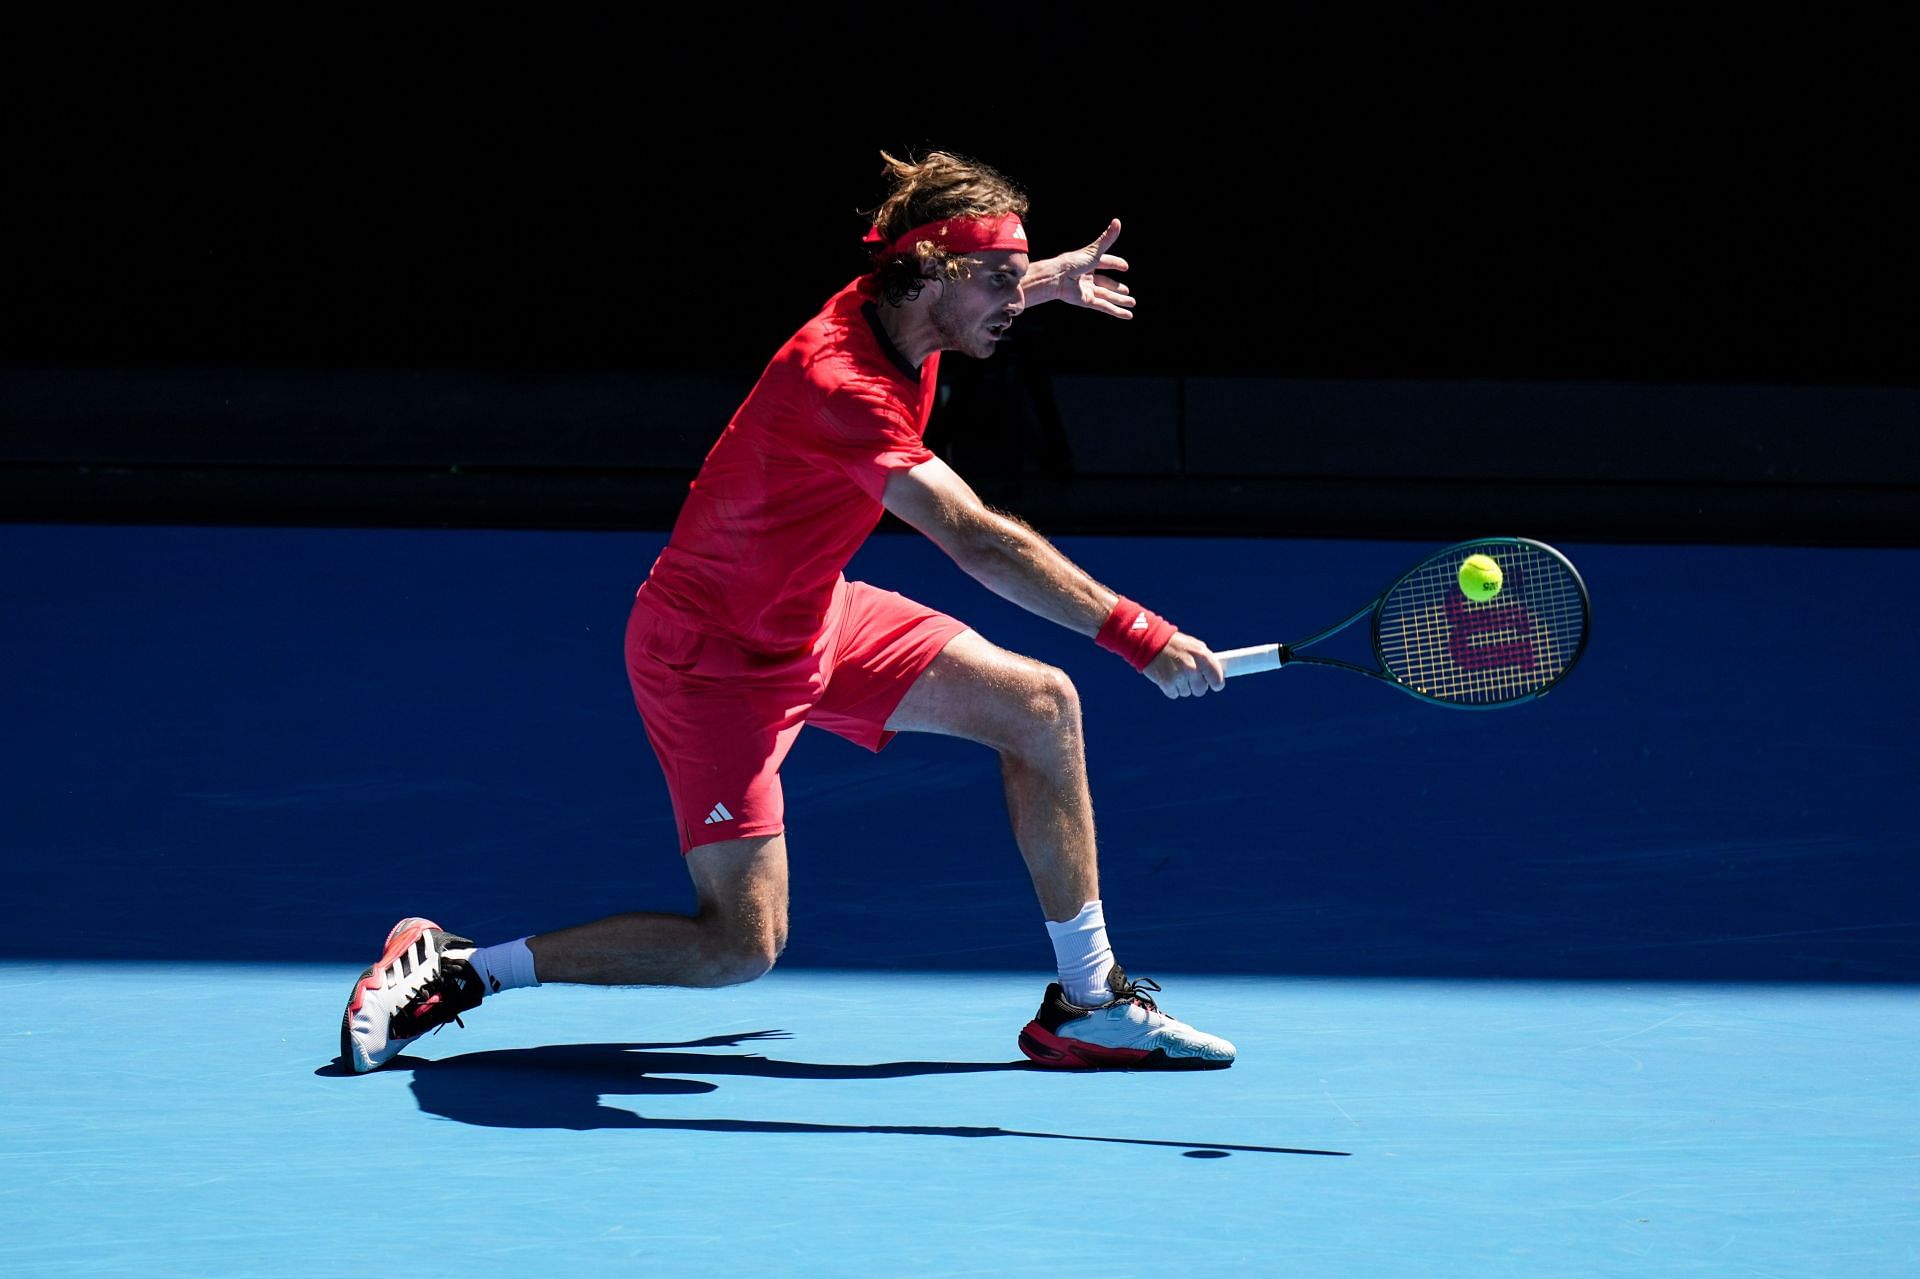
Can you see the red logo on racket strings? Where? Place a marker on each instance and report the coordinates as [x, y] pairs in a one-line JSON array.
[[1474, 622]]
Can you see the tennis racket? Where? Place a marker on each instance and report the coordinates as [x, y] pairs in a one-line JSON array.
[[1430, 640]]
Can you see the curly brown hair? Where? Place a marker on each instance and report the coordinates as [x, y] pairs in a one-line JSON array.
[[931, 188]]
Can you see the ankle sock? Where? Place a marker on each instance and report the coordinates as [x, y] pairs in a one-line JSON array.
[[1080, 949], [508, 966]]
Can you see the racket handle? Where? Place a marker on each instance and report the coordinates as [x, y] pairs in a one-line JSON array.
[[1246, 661]]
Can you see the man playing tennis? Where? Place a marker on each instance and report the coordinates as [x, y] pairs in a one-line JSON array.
[[745, 631]]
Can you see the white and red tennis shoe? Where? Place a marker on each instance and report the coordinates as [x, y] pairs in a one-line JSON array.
[[1128, 1032], [422, 982]]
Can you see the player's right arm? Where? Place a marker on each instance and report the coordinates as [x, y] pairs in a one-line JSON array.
[[1017, 564]]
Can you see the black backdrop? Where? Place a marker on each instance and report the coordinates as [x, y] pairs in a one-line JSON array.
[[1309, 195]]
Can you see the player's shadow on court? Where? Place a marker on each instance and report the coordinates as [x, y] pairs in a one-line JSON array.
[[562, 1086]]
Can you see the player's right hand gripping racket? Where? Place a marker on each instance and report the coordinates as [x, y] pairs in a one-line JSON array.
[[1432, 641]]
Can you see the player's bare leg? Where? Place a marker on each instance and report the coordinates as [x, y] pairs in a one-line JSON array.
[[426, 976], [737, 932], [1030, 713]]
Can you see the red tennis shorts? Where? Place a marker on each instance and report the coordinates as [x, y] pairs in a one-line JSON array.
[[721, 718]]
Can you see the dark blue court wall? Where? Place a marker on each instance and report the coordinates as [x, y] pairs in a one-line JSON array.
[[254, 744]]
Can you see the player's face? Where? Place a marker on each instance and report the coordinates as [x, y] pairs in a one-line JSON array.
[[971, 315]]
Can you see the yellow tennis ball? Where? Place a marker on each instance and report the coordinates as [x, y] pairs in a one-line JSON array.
[[1480, 577]]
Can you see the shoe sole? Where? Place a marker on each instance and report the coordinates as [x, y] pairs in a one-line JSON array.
[[1045, 1048], [408, 934]]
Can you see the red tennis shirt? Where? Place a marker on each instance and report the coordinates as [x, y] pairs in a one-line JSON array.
[[792, 487]]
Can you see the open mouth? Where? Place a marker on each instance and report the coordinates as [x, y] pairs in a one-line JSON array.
[[998, 331]]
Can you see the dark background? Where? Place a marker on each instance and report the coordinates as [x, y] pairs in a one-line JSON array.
[[440, 271]]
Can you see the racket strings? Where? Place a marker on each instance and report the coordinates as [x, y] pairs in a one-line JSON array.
[[1443, 646]]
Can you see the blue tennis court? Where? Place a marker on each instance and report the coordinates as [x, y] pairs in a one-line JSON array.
[[1616, 983]]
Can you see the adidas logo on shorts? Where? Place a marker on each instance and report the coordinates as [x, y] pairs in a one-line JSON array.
[[718, 815]]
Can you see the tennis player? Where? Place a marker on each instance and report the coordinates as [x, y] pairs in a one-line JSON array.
[[746, 631]]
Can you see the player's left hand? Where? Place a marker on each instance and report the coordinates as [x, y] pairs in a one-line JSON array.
[[1080, 277], [1186, 667]]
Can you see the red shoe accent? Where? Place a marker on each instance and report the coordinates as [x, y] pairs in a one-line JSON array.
[[1049, 1049], [397, 941]]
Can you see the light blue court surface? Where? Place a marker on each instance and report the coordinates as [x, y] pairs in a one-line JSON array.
[[861, 1124], [834, 1124], [1622, 982]]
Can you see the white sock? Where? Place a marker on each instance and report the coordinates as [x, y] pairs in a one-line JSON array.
[[508, 966], [1081, 950]]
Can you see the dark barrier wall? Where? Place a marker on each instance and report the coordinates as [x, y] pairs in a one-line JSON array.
[[1072, 452], [1398, 273]]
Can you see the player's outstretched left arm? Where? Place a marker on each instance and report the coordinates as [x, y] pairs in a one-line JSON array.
[[1018, 564], [1083, 278]]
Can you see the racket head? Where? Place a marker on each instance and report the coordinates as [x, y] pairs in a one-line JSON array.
[[1444, 648]]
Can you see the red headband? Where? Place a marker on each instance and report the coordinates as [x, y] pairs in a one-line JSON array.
[[961, 235]]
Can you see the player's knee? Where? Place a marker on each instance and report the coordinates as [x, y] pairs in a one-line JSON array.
[[749, 956], [1052, 703], [739, 965], [745, 966]]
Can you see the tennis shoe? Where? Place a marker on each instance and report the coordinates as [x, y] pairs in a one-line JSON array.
[[422, 982], [1128, 1032]]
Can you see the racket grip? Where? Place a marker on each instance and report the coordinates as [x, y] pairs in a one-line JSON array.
[[1247, 661]]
